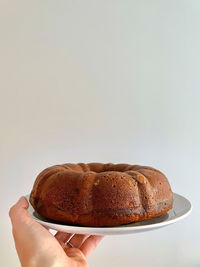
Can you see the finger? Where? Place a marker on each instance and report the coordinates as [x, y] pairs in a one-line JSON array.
[[76, 255], [77, 240], [62, 237], [90, 244], [19, 212]]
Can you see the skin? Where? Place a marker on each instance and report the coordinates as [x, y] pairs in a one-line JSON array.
[[36, 246]]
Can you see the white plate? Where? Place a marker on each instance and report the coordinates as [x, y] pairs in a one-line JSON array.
[[181, 208]]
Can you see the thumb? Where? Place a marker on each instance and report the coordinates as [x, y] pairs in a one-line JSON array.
[[19, 211]]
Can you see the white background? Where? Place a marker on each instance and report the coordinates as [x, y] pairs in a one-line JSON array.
[[106, 81]]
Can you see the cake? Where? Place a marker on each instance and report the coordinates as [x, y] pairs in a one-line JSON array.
[[98, 194]]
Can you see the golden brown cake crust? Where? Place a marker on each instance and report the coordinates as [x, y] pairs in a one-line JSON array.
[[98, 194]]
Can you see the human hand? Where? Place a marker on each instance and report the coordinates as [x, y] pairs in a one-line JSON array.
[[37, 247]]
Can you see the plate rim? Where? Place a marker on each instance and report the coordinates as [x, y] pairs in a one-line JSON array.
[[112, 230]]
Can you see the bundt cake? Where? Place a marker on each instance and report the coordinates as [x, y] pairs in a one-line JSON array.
[[97, 194]]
